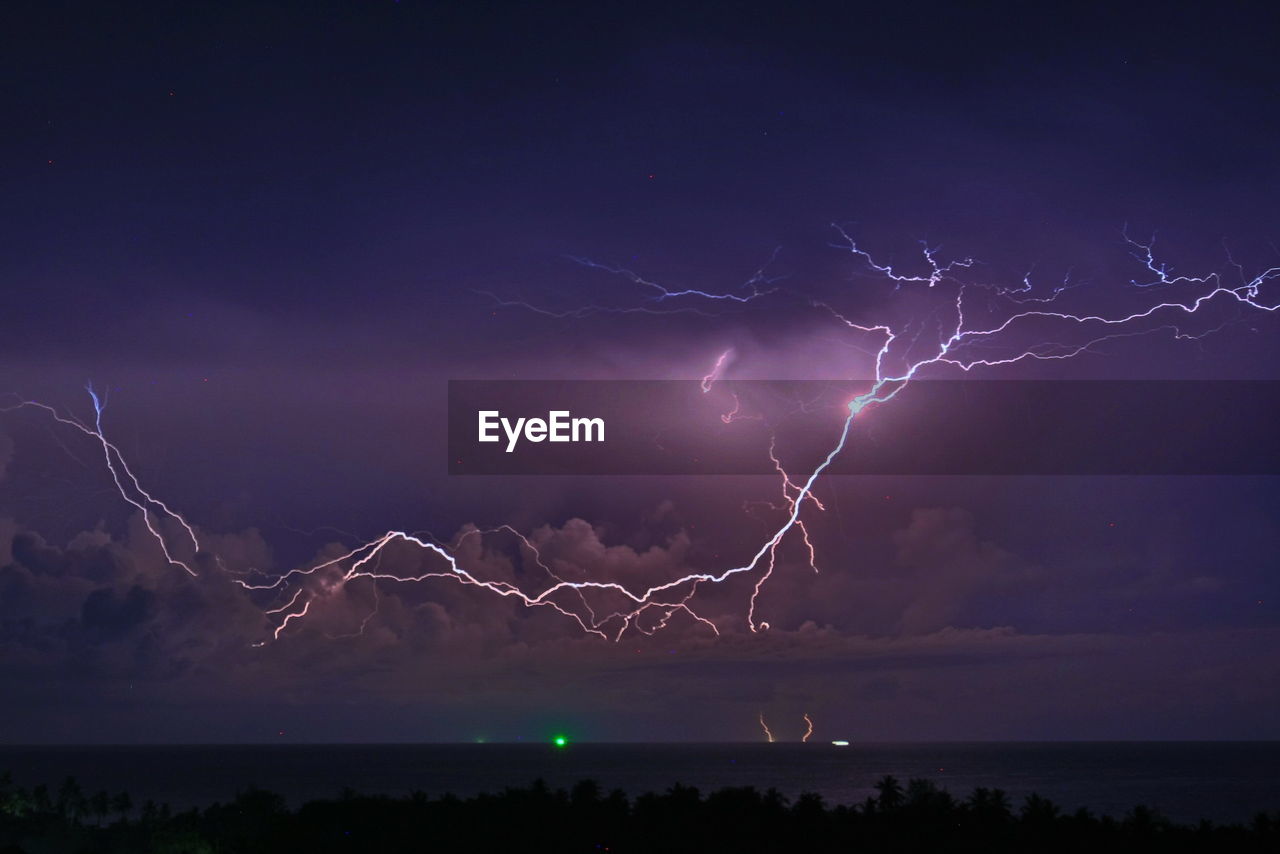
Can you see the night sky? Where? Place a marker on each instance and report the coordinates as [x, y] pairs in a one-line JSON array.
[[271, 233]]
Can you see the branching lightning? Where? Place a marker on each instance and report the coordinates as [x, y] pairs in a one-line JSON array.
[[153, 509], [900, 353], [683, 301]]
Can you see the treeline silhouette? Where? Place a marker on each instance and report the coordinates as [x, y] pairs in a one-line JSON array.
[[917, 817]]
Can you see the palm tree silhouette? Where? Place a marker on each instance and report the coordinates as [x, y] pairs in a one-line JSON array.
[[890, 792]]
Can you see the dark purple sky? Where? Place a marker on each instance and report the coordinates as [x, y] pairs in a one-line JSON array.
[[275, 231]]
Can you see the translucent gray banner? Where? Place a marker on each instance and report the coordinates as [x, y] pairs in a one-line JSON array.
[[971, 427]]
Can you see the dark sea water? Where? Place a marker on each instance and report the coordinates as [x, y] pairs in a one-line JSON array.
[[1187, 781]]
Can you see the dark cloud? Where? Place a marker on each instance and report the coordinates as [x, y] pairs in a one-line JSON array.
[[109, 615], [946, 564]]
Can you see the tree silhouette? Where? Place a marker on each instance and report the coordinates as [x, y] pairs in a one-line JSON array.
[[989, 803], [121, 805], [890, 793], [40, 800], [1038, 810], [100, 805], [920, 818], [71, 801]]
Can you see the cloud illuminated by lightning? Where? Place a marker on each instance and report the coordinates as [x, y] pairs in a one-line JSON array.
[[900, 354]]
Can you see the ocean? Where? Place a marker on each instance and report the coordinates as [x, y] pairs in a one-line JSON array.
[[1186, 781]]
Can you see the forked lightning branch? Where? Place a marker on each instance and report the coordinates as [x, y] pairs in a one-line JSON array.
[[558, 426], [1007, 326]]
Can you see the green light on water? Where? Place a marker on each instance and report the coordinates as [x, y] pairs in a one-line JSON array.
[[560, 741]]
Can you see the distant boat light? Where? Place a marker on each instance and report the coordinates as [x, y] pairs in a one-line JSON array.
[[840, 743]]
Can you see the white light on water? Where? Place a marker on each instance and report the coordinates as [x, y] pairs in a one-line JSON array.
[[840, 743]]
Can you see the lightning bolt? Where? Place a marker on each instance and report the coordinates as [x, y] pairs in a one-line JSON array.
[[900, 353], [758, 285], [764, 726], [716, 370], [154, 511]]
